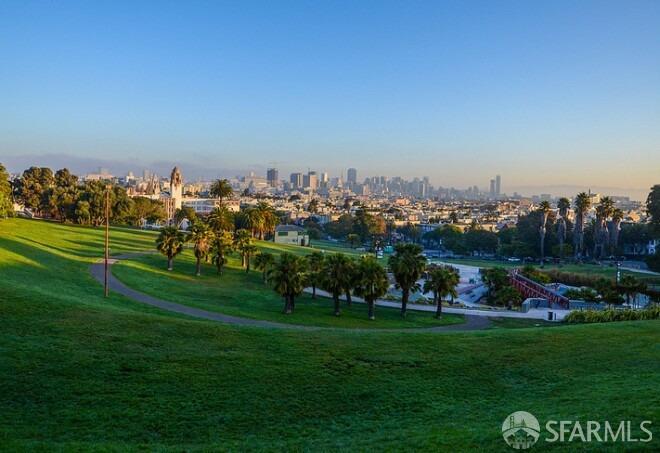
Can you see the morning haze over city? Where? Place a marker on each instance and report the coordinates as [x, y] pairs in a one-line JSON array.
[[329, 226]]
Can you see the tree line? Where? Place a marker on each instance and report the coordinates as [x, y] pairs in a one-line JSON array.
[[288, 274]]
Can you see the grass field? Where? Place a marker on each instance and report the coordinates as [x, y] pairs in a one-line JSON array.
[[80, 372], [240, 294]]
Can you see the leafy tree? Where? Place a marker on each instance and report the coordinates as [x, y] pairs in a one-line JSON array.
[[353, 239], [653, 209], [495, 278], [481, 241], [333, 277], [6, 203], [147, 209], [407, 264], [288, 278], [185, 213], [202, 238], [32, 188], [508, 296], [370, 282], [264, 261], [170, 243], [314, 267], [442, 281], [221, 189]]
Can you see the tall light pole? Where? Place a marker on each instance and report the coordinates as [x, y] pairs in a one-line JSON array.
[[107, 237]]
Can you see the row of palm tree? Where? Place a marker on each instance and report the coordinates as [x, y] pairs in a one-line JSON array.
[[209, 243], [338, 274], [607, 225]]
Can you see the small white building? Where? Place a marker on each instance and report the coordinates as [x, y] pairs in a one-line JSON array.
[[290, 234]]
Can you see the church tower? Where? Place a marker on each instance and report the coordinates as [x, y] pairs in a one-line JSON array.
[[176, 188]]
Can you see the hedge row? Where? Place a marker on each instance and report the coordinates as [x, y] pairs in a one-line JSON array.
[[610, 315]]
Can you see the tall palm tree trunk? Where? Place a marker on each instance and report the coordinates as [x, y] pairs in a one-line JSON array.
[[335, 297], [313, 291], [438, 302], [169, 263], [198, 267], [404, 302], [372, 314], [349, 300]]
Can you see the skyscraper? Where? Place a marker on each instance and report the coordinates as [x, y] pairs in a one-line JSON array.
[[272, 176], [296, 180], [492, 188], [498, 185], [351, 176]]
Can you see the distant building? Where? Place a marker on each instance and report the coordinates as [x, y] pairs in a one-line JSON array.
[[498, 185], [296, 180], [272, 176], [290, 234], [311, 181], [351, 176], [492, 188]]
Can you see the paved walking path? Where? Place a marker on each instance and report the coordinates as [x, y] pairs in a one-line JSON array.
[[97, 271]]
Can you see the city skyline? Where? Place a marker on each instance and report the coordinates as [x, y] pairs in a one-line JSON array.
[[546, 95]]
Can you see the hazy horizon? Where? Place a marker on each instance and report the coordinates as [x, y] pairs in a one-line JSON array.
[[547, 95]]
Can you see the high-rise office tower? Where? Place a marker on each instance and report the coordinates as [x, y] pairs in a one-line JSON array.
[[351, 176], [272, 176], [492, 188], [312, 180], [498, 185], [296, 180]]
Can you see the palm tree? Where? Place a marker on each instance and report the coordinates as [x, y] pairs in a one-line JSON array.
[[221, 189], [248, 250], [288, 279], [581, 205], [333, 276], [544, 209], [603, 211], [349, 280], [263, 262], [202, 238], [254, 221], [630, 287], [269, 219], [221, 219], [407, 263], [223, 243], [242, 240], [314, 264], [615, 229], [170, 243], [370, 282], [562, 205], [442, 282]]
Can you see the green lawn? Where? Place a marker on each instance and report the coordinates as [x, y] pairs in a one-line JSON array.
[[84, 373], [240, 294]]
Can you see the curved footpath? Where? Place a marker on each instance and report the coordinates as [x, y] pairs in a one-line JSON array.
[[97, 269]]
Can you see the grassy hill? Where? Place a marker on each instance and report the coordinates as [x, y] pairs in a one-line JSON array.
[[80, 372]]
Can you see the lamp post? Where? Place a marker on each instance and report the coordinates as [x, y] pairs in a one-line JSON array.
[[107, 238]]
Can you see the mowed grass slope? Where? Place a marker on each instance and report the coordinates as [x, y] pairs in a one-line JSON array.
[[80, 372], [244, 294]]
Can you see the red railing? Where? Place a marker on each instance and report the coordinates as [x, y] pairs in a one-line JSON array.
[[530, 288]]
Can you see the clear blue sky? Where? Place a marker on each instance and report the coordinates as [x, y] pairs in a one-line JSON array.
[[541, 92]]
